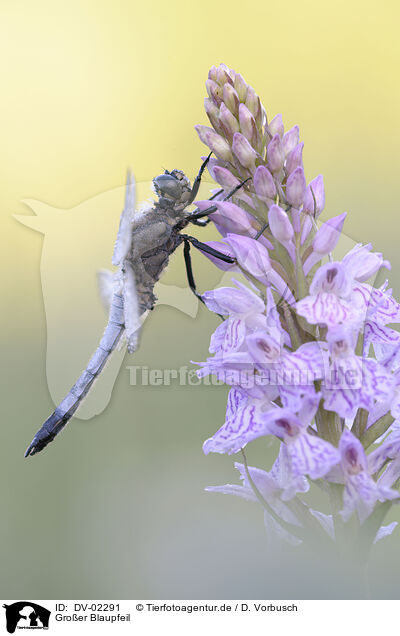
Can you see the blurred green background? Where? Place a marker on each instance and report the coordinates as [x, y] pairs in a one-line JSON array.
[[116, 508]]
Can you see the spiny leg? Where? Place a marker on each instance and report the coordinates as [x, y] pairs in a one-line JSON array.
[[189, 269], [204, 222], [196, 182], [216, 194], [201, 222], [188, 262], [261, 231], [203, 247], [213, 208]]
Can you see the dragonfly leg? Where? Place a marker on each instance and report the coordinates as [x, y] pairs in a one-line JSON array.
[[201, 222], [197, 181], [206, 221], [189, 269], [203, 247], [197, 214], [261, 231]]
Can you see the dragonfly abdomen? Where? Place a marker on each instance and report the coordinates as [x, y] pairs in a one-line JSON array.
[[66, 409]]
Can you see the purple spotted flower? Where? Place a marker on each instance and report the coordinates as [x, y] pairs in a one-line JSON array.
[[353, 381], [361, 490], [309, 454], [244, 421], [293, 372], [329, 302], [379, 309], [308, 345]]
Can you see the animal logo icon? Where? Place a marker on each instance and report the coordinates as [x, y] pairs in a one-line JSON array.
[[25, 615]]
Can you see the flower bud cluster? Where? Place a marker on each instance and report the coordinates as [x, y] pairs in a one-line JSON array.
[[246, 145], [307, 352]]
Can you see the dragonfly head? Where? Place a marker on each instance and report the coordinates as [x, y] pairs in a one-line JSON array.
[[174, 186]]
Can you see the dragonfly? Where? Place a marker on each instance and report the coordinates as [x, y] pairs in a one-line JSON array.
[[146, 239]]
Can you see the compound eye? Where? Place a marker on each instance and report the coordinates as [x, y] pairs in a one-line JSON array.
[[166, 185], [178, 174]]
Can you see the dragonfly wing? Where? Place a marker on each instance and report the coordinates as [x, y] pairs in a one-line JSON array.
[[124, 236], [132, 312], [106, 285]]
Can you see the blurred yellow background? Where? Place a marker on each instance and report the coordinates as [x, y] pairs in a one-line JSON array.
[[115, 508]]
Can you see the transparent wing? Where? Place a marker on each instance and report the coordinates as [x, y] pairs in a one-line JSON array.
[[132, 312], [124, 236], [106, 285]]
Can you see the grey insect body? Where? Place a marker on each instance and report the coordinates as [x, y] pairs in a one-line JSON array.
[[156, 234], [144, 244]]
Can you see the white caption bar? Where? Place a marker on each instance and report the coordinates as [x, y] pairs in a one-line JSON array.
[[142, 617]]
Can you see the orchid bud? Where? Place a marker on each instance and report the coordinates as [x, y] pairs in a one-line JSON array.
[[315, 207], [254, 105], [291, 139], [280, 224], [295, 158], [211, 165], [251, 255], [231, 98], [247, 124], [246, 198], [276, 127], [231, 218], [264, 184], [275, 154], [240, 87], [228, 120], [214, 92], [203, 204], [227, 300], [212, 73], [224, 177], [363, 263], [296, 187], [371, 265], [243, 151], [212, 112], [230, 71], [215, 142], [327, 236], [223, 75]]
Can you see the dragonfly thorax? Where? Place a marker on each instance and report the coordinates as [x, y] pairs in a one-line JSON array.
[[173, 186]]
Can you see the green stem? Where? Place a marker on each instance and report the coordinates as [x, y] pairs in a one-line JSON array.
[[281, 255], [360, 423], [302, 286], [329, 426], [376, 430], [291, 327]]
